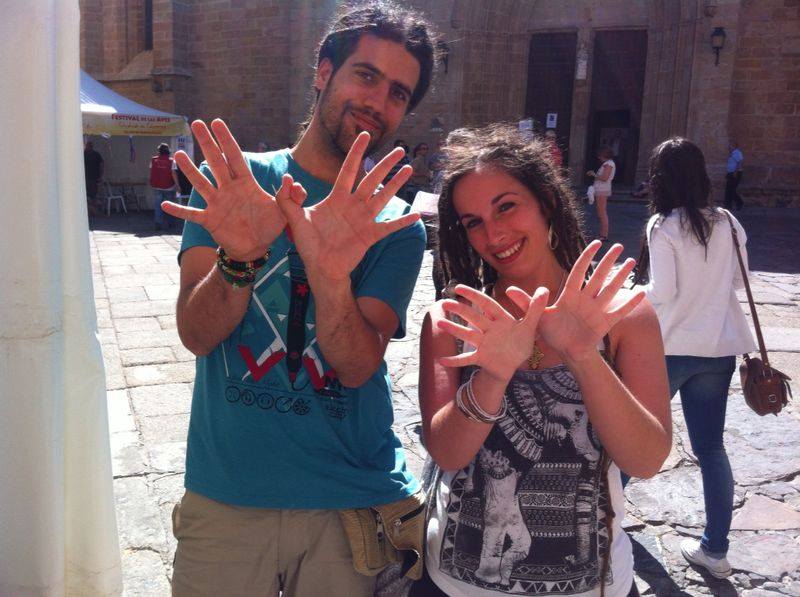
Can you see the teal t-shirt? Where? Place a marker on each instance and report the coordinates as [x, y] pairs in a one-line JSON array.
[[261, 437]]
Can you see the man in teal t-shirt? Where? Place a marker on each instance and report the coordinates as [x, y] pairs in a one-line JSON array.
[[296, 270]]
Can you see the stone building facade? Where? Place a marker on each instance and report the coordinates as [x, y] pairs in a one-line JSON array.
[[628, 73]]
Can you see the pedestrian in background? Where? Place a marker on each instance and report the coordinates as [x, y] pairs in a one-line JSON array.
[[733, 176], [403, 192], [602, 187], [421, 179], [93, 165], [165, 183], [691, 273], [436, 164], [555, 151]]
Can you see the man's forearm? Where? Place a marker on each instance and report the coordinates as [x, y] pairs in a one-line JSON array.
[[209, 311], [348, 342]]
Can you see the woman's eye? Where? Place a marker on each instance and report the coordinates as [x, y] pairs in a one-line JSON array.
[[471, 224], [505, 206]]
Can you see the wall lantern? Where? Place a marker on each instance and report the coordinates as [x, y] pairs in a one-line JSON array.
[[444, 54], [717, 42]]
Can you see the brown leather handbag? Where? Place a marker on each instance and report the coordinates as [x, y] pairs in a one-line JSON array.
[[766, 390]]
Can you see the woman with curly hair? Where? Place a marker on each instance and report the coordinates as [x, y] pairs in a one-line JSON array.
[[536, 384]]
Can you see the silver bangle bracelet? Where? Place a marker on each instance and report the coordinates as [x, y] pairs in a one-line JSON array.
[[475, 409]]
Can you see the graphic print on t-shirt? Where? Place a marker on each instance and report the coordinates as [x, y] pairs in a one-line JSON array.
[[264, 368], [527, 517]]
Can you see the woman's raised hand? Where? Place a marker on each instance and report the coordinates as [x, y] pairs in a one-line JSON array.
[[502, 342], [242, 217], [334, 235], [584, 313]]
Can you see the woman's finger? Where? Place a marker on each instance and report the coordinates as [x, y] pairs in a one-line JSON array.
[[469, 335], [465, 359], [610, 290], [600, 274], [577, 274], [230, 148], [378, 201], [536, 307], [468, 313], [619, 313], [212, 152], [519, 297], [375, 176], [482, 301], [190, 214], [351, 165], [199, 180]]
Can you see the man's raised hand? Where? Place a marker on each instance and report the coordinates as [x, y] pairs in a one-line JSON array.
[[334, 235], [241, 216]]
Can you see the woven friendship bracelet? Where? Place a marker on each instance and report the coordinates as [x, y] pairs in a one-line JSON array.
[[241, 266], [239, 273]]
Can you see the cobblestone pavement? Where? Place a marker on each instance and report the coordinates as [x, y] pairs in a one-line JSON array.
[[149, 379]]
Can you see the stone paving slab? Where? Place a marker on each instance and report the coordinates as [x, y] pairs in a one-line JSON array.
[[149, 376]]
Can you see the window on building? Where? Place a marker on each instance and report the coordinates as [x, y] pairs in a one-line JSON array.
[[148, 24]]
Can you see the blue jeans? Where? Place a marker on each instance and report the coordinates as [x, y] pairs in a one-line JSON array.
[[157, 213], [703, 383]]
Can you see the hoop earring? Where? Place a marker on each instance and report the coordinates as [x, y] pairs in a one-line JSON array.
[[552, 238]]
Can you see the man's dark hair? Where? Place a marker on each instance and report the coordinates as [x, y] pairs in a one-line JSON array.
[[163, 149], [386, 20]]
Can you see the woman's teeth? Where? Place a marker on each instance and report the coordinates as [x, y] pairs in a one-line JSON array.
[[510, 251]]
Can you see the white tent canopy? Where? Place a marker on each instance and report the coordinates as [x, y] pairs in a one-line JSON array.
[[106, 112]]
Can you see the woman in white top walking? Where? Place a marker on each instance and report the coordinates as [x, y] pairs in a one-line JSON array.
[[602, 186], [693, 276]]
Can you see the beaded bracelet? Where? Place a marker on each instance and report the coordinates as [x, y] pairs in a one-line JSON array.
[[239, 273]]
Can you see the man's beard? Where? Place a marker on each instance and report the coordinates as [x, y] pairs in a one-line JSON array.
[[339, 138]]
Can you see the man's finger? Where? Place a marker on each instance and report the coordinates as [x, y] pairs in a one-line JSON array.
[[211, 151], [291, 210], [199, 180], [298, 194], [384, 229], [190, 214], [374, 177], [378, 201], [351, 165], [229, 146]]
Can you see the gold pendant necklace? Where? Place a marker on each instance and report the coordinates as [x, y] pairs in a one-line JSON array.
[[537, 355]]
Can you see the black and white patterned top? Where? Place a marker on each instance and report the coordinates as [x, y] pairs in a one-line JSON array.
[[528, 515]]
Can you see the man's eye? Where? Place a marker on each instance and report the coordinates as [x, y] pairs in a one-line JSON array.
[[400, 95], [366, 75]]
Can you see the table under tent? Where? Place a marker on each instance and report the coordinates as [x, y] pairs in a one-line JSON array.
[[127, 134]]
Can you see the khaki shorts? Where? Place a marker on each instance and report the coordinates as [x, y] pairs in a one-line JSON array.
[[234, 551]]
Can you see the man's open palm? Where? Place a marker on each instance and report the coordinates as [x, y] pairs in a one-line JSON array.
[[242, 217], [333, 236]]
